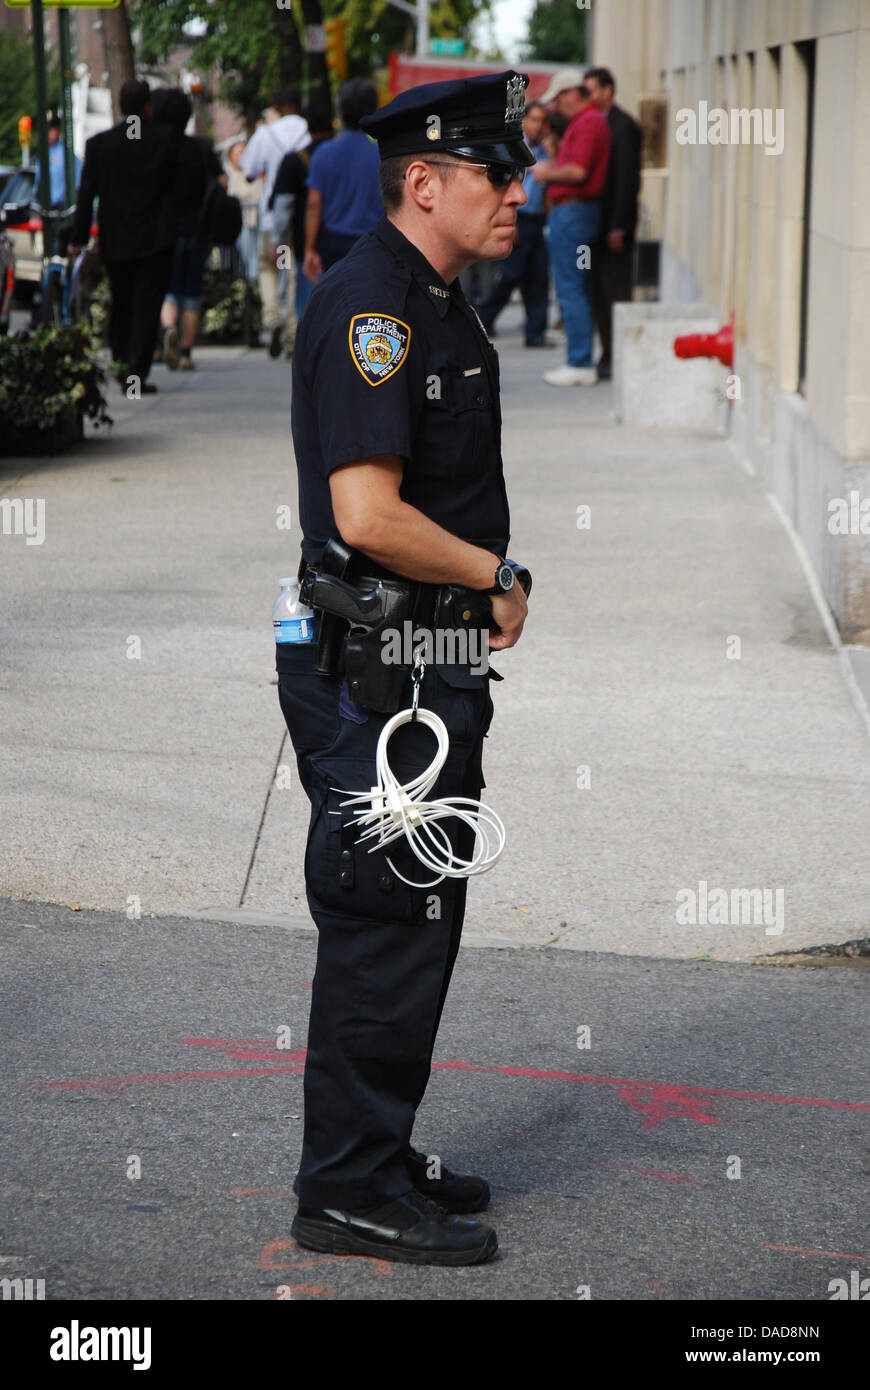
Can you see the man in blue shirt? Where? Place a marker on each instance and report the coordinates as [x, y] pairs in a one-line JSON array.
[[57, 185], [344, 200], [528, 264]]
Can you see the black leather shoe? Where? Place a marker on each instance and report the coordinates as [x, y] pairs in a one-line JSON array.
[[456, 1192], [605, 371], [409, 1230]]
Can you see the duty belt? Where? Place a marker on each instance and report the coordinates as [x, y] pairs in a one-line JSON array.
[[358, 606]]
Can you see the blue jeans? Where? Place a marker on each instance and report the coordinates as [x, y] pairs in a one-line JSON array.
[[526, 266], [188, 265], [572, 227]]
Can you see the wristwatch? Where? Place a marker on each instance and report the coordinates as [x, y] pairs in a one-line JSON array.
[[504, 579]]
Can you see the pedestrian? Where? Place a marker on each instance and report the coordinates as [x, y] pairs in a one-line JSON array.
[[290, 196], [197, 164], [262, 159], [246, 249], [57, 166], [575, 182], [613, 252], [528, 265], [396, 428], [131, 168], [344, 200]]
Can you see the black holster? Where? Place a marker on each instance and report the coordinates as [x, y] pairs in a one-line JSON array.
[[357, 609]]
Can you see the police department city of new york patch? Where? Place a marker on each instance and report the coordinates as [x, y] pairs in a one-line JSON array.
[[378, 345]]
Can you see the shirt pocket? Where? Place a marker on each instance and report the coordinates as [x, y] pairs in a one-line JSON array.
[[457, 435]]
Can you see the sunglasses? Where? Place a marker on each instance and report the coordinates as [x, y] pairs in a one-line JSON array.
[[499, 175]]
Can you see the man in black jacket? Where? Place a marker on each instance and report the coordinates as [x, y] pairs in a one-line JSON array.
[[131, 169], [613, 252]]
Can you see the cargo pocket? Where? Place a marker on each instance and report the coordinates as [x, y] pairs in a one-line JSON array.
[[346, 876]]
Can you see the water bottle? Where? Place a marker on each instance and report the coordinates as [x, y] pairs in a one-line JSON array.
[[292, 620]]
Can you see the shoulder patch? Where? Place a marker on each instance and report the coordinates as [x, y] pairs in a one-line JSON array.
[[378, 345]]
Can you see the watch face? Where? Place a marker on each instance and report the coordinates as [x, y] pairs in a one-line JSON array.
[[505, 577]]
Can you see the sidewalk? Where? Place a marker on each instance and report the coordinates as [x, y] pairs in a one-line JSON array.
[[153, 777]]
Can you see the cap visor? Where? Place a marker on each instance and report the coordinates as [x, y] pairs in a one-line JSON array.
[[514, 153]]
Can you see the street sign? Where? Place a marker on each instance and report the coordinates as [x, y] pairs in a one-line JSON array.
[[65, 4], [445, 46]]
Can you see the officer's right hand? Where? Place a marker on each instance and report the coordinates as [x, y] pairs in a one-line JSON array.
[[509, 611]]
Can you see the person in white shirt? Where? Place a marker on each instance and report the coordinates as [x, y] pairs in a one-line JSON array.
[[261, 159]]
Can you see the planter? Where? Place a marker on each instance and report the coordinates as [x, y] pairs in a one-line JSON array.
[[49, 381], [68, 428]]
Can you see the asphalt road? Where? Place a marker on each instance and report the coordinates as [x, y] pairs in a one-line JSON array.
[[156, 1039]]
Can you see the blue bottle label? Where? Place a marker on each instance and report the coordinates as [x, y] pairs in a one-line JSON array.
[[294, 630]]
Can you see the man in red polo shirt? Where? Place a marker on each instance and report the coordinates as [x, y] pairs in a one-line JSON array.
[[575, 180]]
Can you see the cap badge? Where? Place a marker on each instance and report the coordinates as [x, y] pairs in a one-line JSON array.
[[516, 99]]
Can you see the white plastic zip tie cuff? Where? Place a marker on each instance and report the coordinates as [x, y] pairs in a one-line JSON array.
[[393, 809]]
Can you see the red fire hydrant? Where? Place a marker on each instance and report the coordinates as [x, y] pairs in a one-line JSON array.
[[719, 345]]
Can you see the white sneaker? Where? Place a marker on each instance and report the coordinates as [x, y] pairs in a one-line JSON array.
[[571, 376]]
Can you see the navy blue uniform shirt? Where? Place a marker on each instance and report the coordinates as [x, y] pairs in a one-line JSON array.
[[391, 360]]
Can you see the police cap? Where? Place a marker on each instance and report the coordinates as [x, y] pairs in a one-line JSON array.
[[481, 117]]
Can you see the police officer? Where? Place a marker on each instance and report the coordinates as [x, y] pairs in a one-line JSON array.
[[396, 427]]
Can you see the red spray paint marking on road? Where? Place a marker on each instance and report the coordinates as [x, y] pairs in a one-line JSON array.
[[796, 1250], [614, 1081], [660, 1100], [666, 1103]]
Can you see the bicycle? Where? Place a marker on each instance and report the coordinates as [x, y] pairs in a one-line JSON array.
[[63, 293]]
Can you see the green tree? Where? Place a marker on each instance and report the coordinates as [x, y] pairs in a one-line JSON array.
[[255, 45], [258, 45], [557, 32], [375, 28], [18, 94]]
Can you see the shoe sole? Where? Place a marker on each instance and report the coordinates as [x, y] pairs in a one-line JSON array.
[[335, 1242]]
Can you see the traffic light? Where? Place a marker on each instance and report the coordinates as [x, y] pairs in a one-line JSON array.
[[24, 131], [336, 54]]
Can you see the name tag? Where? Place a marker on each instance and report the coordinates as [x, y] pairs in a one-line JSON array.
[[472, 371]]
